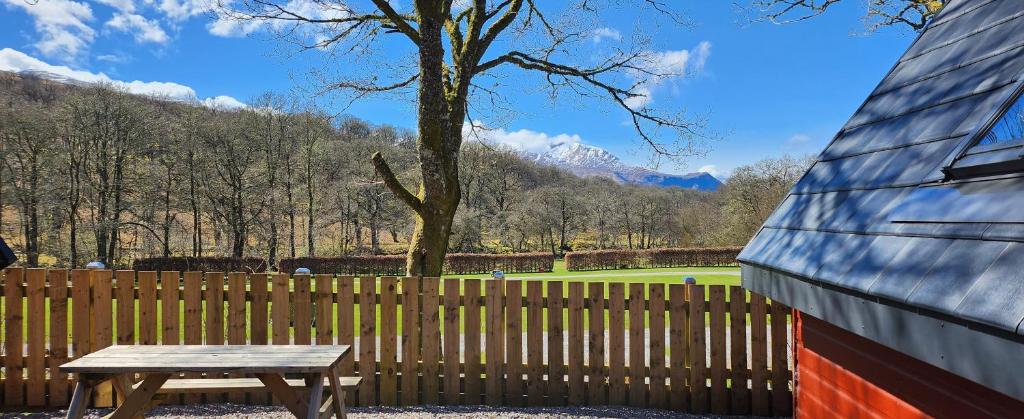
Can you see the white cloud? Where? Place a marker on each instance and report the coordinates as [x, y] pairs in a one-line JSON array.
[[222, 102], [522, 140], [113, 58], [125, 6], [184, 9], [663, 67], [600, 34], [144, 30], [710, 169], [61, 24], [17, 61]]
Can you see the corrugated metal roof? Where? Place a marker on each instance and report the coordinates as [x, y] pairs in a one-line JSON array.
[[875, 215]]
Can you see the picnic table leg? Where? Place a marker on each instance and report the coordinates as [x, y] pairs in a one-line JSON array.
[[80, 399], [285, 393], [337, 394], [138, 399], [316, 394]]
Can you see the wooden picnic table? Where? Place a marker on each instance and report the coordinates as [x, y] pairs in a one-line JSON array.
[[158, 363]]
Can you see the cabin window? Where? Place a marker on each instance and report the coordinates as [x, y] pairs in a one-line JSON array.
[[1000, 150]]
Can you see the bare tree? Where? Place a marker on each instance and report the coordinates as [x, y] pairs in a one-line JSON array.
[[880, 13], [457, 46]]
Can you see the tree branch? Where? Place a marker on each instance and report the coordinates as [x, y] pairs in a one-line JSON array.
[[400, 23], [393, 184]]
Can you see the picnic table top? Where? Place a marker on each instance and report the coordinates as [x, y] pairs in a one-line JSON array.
[[278, 359]]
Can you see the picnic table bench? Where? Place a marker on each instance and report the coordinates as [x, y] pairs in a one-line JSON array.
[[316, 365]]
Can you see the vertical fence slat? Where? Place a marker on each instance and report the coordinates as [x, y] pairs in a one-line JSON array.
[[410, 340], [192, 293], [431, 326], [324, 309], [556, 348], [14, 391], [782, 399], [514, 343], [577, 389], [258, 315], [616, 344], [148, 326], [719, 392], [596, 391], [169, 313], [303, 320], [280, 309], [535, 342], [102, 327], [659, 397], [759, 396], [236, 321], [368, 340], [214, 318], [495, 342], [738, 350], [388, 341], [698, 350], [473, 383], [637, 346], [58, 337], [346, 328], [678, 328], [125, 307], [452, 342], [35, 362], [81, 303]]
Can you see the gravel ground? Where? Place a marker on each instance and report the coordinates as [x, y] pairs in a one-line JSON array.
[[229, 411]]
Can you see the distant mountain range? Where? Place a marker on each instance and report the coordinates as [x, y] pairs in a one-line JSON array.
[[587, 160]]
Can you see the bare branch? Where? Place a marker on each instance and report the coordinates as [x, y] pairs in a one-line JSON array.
[[912, 13], [393, 184]]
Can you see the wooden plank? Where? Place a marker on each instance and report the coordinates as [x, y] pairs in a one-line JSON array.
[[302, 323], [431, 327], [324, 309], [35, 363], [596, 390], [473, 382], [514, 390], [452, 342], [719, 391], [346, 323], [577, 386], [659, 373], [759, 397], [169, 304], [495, 315], [535, 387], [782, 398], [102, 327], [698, 350], [678, 349], [388, 341], [556, 342], [236, 321], [148, 326], [192, 293], [125, 307], [410, 341], [616, 343], [58, 384], [368, 340], [214, 310], [738, 351], [280, 309], [81, 307], [637, 346]]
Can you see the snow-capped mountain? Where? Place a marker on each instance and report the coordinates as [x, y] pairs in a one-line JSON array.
[[587, 160]]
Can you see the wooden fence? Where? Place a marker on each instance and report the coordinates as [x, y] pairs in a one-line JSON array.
[[679, 347]]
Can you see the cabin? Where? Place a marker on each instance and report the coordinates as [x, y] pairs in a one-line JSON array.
[[901, 250]]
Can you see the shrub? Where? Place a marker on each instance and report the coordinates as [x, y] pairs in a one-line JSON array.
[[204, 264], [650, 258], [455, 263], [349, 265], [474, 263]]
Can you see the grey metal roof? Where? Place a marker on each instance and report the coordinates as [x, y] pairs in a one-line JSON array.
[[875, 215]]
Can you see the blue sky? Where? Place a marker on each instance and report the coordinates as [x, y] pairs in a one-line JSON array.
[[767, 90]]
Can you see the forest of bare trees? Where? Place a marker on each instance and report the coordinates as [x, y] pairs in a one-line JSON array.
[[92, 173]]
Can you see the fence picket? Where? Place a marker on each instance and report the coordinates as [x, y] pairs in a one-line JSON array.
[[58, 382], [719, 392], [346, 328], [616, 344], [678, 348], [280, 309], [236, 321], [698, 350], [169, 303], [556, 348], [192, 294], [258, 318], [759, 396], [14, 390], [577, 386], [452, 342], [125, 307], [35, 295], [473, 382], [535, 343], [214, 318], [368, 340], [324, 309], [738, 351], [431, 329], [81, 314], [495, 342], [302, 322], [148, 326], [637, 346], [514, 391], [596, 391], [102, 327], [782, 399], [388, 341], [410, 340], [656, 303]]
